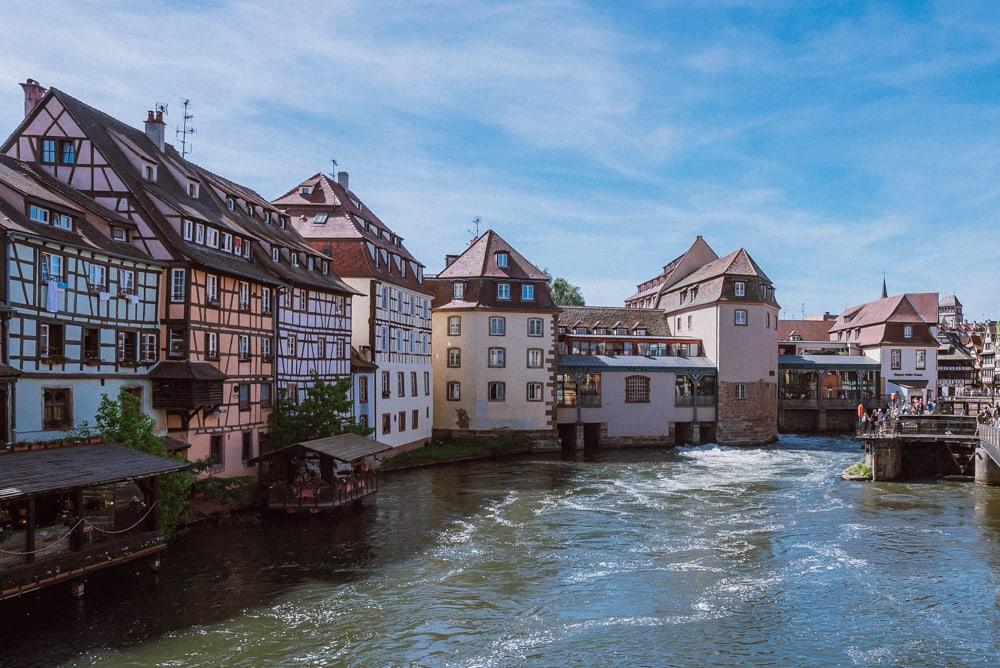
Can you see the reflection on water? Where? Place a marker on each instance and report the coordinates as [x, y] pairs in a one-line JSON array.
[[692, 556]]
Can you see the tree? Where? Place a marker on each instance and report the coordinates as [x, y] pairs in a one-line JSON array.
[[563, 292], [324, 412], [124, 422]]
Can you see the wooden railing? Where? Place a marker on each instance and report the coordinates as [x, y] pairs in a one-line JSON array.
[[320, 495]]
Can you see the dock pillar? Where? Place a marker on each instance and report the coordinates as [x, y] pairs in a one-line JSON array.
[[987, 470], [886, 461], [821, 420], [77, 588], [695, 433], [580, 437]]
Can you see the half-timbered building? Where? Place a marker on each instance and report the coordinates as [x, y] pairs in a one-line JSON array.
[[392, 323], [84, 305]]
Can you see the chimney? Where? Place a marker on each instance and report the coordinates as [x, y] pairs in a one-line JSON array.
[[342, 180], [156, 129], [448, 259], [33, 94]]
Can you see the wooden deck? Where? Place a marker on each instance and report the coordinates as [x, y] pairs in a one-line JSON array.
[[320, 496], [917, 429]]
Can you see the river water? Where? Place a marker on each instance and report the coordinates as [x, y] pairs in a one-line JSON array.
[[693, 556]]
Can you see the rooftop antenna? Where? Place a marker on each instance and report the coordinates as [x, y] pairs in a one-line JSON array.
[[475, 223], [803, 310], [333, 163], [185, 129]]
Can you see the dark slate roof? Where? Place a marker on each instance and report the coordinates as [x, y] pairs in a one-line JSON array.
[[359, 363], [653, 320], [820, 362], [635, 363], [175, 444], [345, 447], [30, 472], [8, 372], [479, 260], [185, 371]]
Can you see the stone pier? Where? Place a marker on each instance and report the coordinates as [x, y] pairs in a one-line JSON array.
[[886, 460], [987, 470]]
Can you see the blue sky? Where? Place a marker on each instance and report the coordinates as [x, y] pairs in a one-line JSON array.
[[833, 143]]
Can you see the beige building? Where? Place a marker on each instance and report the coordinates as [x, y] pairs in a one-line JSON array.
[[493, 344]]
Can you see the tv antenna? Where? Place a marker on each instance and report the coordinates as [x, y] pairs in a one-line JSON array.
[[333, 163], [475, 223], [185, 129]]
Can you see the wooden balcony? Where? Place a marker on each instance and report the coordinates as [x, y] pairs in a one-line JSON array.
[[313, 497]]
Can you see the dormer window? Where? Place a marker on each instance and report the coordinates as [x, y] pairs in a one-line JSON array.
[[295, 259], [149, 172], [320, 218], [458, 291], [227, 242], [740, 288], [580, 330], [907, 331], [684, 296], [119, 234], [503, 291], [621, 331], [503, 258], [283, 221], [62, 220], [230, 203], [49, 150], [38, 214], [199, 234], [267, 217], [641, 331], [212, 237], [276, 254], [309, 262], [527, 292], [250, 210], [305, 190], [187, 229], [326, 267], [246, 248], [237, 245], [193, 189]]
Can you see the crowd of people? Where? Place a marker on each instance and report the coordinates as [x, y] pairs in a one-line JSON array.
[[990, 415], [878, 421]]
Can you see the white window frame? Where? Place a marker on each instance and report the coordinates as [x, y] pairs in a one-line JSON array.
[[211, 288], [738, 321], [454, 389], [97, 271], [199, 234], [187, 229], [178, 281], [502, 329], [535, 391], [503, 292], [458, 290], [740, 288], [527, 292], [126, 281], [536, 327], [149, 352]]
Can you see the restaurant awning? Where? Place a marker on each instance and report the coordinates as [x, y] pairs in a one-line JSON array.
[[46, 470], [344, 447], [909, 382]]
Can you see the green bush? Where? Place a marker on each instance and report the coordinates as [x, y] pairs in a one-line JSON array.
[[444, 451], [859, 469]]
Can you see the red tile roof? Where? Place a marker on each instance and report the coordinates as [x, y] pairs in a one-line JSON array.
[[809, 330], [480, 261]]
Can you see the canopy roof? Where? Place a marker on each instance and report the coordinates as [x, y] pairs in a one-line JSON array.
[[820, 362], [345, 447], [56, 469], [596, 363]]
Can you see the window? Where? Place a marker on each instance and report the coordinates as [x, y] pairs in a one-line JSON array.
[[427, 383], [385, 385], [741, 391], [126, 281], [637, 389], [415, 418], [503, 291], [535, 358], [454, 325], [178, 284], [127, 346], [48, 150], [227, 242], [921, 360], [454, 391], [244, 396], [265, 395], [295, 259], [67, 152], [50, 340], [292, 392], [212, 237], [527, 293], [386, 423], [320, 219], [536, 327], [740, 288], [400, 384], [305, 190], [907, 331], [640, 331], [265, 300], [97, 276], [276, 254], [498, 326], [193, 189], [290, 345], [91, 344], [57, 408], [38, 214], [211, 345], [247, 449], [199, 233], [896, 358], [230, 203], [740, 317], [458, 291], [363, 389], [150, 349], [265, 348], [454, 357], [52, 267], [402, 421], [250, 210], [149, 173], [503, 258], [119, 234], [691, 321], [66, 223], [246, 248], [244, 348], [216, 452], [535, 391], [175, 343], [244, 296], [497, 391], [767, 320], [497, 358], [212, 289]]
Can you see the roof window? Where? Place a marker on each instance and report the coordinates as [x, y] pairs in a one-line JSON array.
[[503, 259], [320, 218]]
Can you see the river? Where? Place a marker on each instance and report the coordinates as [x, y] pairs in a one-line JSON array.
[[693, 556]]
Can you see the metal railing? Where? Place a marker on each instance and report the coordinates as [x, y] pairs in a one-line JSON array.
[[918, 426], [320, 494]]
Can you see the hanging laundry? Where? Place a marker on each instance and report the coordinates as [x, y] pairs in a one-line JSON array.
[[52, 296]]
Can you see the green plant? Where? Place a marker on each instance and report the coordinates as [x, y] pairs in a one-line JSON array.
[[123, 421], [860, 469], [324, 412]]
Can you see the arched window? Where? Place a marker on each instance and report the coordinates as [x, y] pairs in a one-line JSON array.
[[637, 389]]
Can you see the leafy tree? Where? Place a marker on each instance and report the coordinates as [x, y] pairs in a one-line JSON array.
[[324, 412], [563, 292], [123, 421]]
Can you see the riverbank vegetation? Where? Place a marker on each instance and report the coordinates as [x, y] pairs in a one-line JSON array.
[[859, 471], [447, 451]]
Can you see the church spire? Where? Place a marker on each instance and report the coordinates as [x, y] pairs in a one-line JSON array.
[[885, 293]]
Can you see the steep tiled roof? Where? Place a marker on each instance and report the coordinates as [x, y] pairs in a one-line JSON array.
[[949, 300], [809, 330], [480, 261], [897, 308], [697, 255], [652, 320], [737, 263]]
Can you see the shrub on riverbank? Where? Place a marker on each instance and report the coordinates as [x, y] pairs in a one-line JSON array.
[[859, 471], [439, 452]]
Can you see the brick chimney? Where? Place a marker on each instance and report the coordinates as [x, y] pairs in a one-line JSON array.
[[156, 129], [33, 94], [342, 180]]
